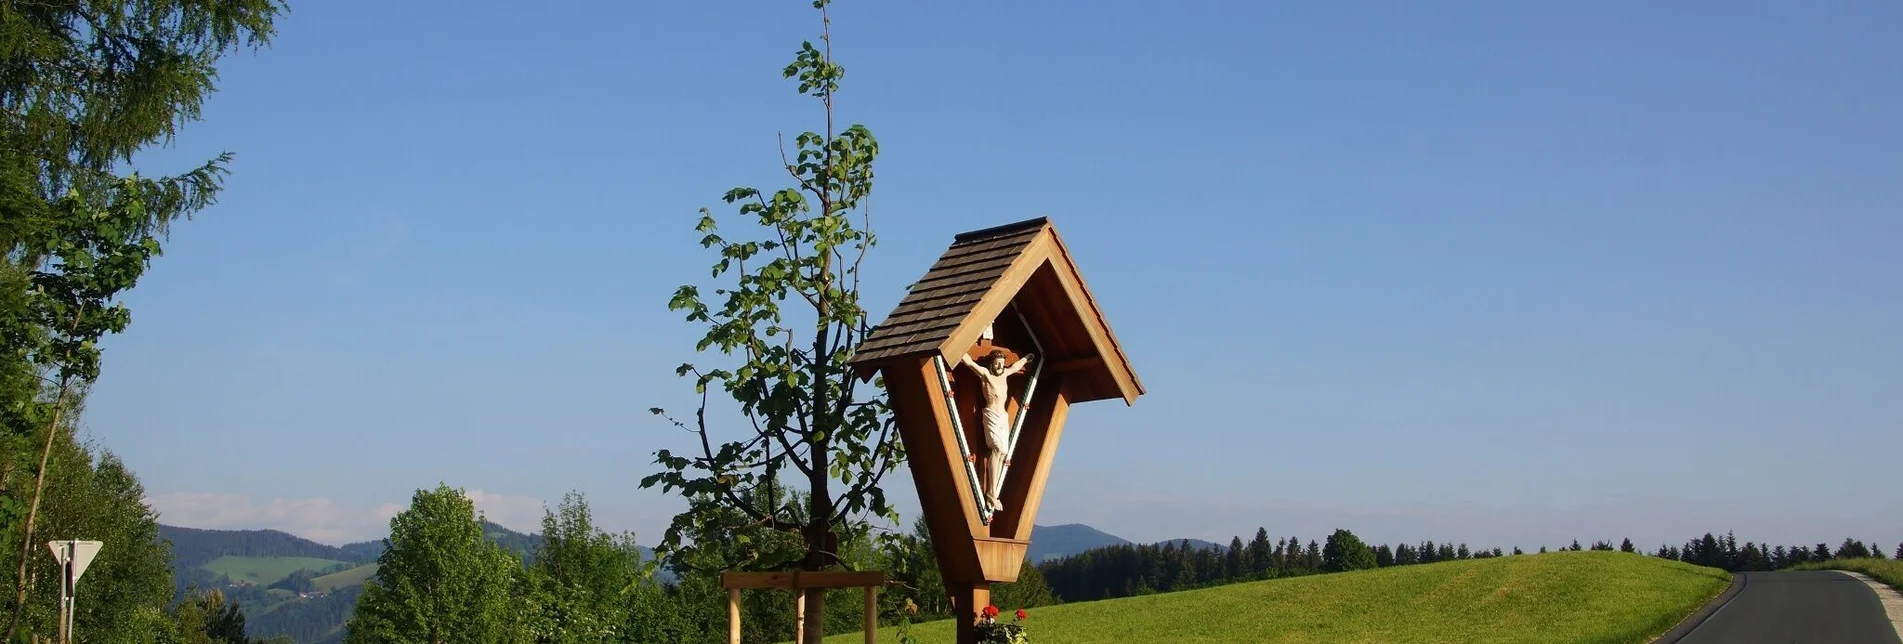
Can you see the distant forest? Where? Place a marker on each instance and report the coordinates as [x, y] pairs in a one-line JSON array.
[[1132, 569]]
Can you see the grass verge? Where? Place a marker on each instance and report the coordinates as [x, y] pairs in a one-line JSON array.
[[1888, 571], [1584, 597]]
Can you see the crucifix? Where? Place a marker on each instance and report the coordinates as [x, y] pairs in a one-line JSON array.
[[994, 375]]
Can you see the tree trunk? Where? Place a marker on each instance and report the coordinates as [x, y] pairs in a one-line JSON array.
[[33, 511]]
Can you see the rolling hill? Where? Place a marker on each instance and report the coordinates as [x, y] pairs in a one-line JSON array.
[[1053, 541], [1609, 597], [246, 564]]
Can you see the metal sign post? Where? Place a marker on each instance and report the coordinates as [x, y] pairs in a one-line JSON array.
[[73, 558]]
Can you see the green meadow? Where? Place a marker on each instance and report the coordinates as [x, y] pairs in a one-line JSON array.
[[264, 570], [1571, 597], [349, 577]]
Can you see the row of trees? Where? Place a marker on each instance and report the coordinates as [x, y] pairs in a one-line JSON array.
[[1724, 552], [1131, 569]]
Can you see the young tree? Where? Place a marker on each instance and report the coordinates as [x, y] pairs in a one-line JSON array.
[[1346, 552], [440, 580], [801, 406]]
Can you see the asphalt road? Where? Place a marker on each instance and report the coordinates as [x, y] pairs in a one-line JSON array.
[[1799, 607]]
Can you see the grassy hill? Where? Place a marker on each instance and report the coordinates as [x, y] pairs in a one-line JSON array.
[[1583, 597], [264, 570], [352, 577]]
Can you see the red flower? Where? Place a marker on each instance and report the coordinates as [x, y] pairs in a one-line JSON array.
[[1021, 614], [991, 611]]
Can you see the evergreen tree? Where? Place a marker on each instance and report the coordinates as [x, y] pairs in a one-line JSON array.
[[1899, 552], [1260, 553], [1625, 545], [1463, 552], [1383, 556], [1852, 549], [440, 581], [1518, 551], [1312, 558], [1236, 559], [1821, 552], [1575, 547]]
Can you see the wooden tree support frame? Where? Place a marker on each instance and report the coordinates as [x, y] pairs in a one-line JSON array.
[[799, 582]]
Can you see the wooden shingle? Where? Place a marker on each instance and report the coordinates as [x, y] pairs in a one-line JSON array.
[[976, 279]]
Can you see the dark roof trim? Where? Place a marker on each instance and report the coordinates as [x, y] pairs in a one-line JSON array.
[[995, 231]]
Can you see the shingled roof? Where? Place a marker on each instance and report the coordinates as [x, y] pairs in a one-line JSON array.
[[983, 272]]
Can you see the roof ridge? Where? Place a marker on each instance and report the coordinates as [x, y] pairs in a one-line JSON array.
[[994, 231]]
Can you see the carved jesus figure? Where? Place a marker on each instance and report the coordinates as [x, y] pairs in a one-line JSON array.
[[992, 378]]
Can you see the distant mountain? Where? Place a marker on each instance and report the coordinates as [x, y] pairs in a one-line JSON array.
[[193, 547], [364, 550], [1054, 541], [1194, 544]]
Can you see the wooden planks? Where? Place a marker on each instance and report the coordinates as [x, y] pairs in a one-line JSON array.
[[1037, 448], [1001, 559]]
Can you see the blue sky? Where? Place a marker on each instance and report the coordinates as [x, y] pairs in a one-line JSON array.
[[1501, 275]]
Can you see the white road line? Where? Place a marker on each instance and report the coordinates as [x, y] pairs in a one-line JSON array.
[[1892, 601]]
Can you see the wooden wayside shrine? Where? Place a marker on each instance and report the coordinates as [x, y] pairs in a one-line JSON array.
[[979, 420]]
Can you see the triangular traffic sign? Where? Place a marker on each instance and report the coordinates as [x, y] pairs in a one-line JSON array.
[[81, 552]]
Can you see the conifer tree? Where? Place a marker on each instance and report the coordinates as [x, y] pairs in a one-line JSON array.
[[1259, 553], [1625, 545], [1236, 559]]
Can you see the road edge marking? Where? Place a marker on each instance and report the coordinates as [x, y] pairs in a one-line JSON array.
[[1711, 608], [1891, 600]]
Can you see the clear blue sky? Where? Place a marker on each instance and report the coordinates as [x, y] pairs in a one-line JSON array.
[[1501, 275]]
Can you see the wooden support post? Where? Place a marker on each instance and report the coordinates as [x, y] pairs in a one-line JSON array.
[[872, 614], [733, 616], [968, 599], [799, 616]]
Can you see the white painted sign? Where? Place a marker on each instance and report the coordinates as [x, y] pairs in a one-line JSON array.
[[80, 553]]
